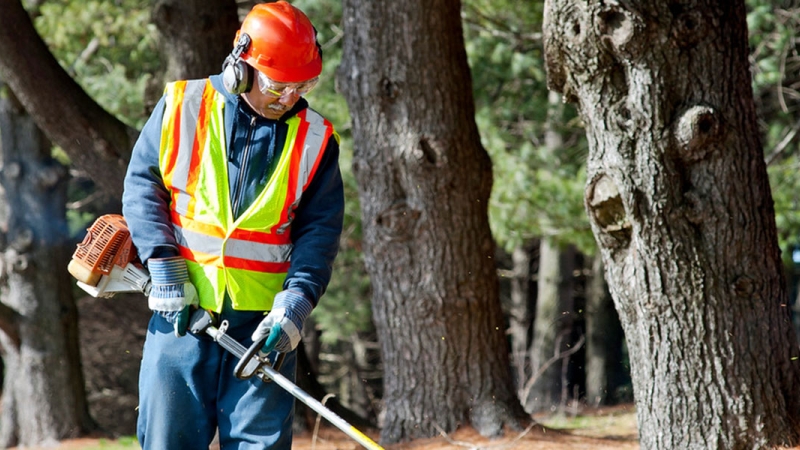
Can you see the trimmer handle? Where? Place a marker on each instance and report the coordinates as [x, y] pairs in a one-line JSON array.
[[267, 342], [202, 322], [238, 371]]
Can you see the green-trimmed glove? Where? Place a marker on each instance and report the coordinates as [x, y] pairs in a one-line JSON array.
[[289, 312], [172, 294]]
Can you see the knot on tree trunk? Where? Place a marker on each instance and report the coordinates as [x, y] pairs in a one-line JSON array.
[[688, 27], [428, 150], [16, 257], [616, 28], [608, 212], [22, 241], [570, 18], [15, 261], [697, 130], [743, 286], [398, 222], [389, 89], [695, 210]]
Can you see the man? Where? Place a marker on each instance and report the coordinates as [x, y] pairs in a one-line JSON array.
[[234, 201]]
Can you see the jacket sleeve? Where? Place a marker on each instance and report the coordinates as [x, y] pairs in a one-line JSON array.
[[145, 200], [316, 229]]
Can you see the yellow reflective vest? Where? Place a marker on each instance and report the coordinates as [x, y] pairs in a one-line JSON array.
[[250, 256]]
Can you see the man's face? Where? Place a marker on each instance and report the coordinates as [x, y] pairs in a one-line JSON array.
[[272, 99]]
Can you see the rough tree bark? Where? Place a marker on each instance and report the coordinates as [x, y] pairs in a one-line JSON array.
[[43, 388], [424, 182], [680, 205]]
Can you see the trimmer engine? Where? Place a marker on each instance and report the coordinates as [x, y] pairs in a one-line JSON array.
[[106, 263]]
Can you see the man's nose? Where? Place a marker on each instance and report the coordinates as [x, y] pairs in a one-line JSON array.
[[289, 96]]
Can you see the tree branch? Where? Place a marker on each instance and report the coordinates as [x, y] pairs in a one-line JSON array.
[[559, 355], [776, 152], [92, 137]]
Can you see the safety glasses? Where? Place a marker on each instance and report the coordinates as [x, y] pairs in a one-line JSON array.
[[275, 89]]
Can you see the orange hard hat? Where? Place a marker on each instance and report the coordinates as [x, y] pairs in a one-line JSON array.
[[283, 42]]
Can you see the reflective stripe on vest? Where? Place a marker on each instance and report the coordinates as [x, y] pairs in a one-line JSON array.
[[248, 258]]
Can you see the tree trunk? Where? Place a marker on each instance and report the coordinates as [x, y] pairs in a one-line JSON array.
[[605, 373], [680, 205], [424, 182], [520, 315], [214, 23], [552, 328], [43, 392]]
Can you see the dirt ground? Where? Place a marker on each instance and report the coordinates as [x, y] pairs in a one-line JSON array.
[[534, 438], [112, 333], [537, 437]]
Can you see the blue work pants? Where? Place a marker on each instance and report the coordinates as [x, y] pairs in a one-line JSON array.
[[187, 391]]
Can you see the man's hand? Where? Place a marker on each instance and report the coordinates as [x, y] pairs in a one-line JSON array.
[[289, 312], [172, 294]]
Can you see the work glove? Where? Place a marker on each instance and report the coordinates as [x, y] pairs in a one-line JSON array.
[[172, 294], [283, 324]]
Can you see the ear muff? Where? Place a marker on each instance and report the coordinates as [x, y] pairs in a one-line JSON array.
[[237, 75]]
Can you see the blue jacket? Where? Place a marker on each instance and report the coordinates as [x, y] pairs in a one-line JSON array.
[[318, 219]]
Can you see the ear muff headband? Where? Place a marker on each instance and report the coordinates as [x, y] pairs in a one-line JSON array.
[[237, 75]]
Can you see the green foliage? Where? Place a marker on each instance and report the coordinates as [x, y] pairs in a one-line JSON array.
[[78, 221], [122, 443], [537, 191], [785, 184], [775, 56], [108, 46], [327, 16], [347, 308], [125, 442]]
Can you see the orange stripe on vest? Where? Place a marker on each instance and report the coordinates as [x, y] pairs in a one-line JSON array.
[[180, 88]]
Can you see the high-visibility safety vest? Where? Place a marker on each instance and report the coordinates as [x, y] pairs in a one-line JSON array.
[[248, 257]]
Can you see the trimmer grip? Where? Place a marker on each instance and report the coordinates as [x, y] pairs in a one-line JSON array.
[[200, 321], [238, 371]]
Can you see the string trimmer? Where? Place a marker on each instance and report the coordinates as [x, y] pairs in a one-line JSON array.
[[106, 263]]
